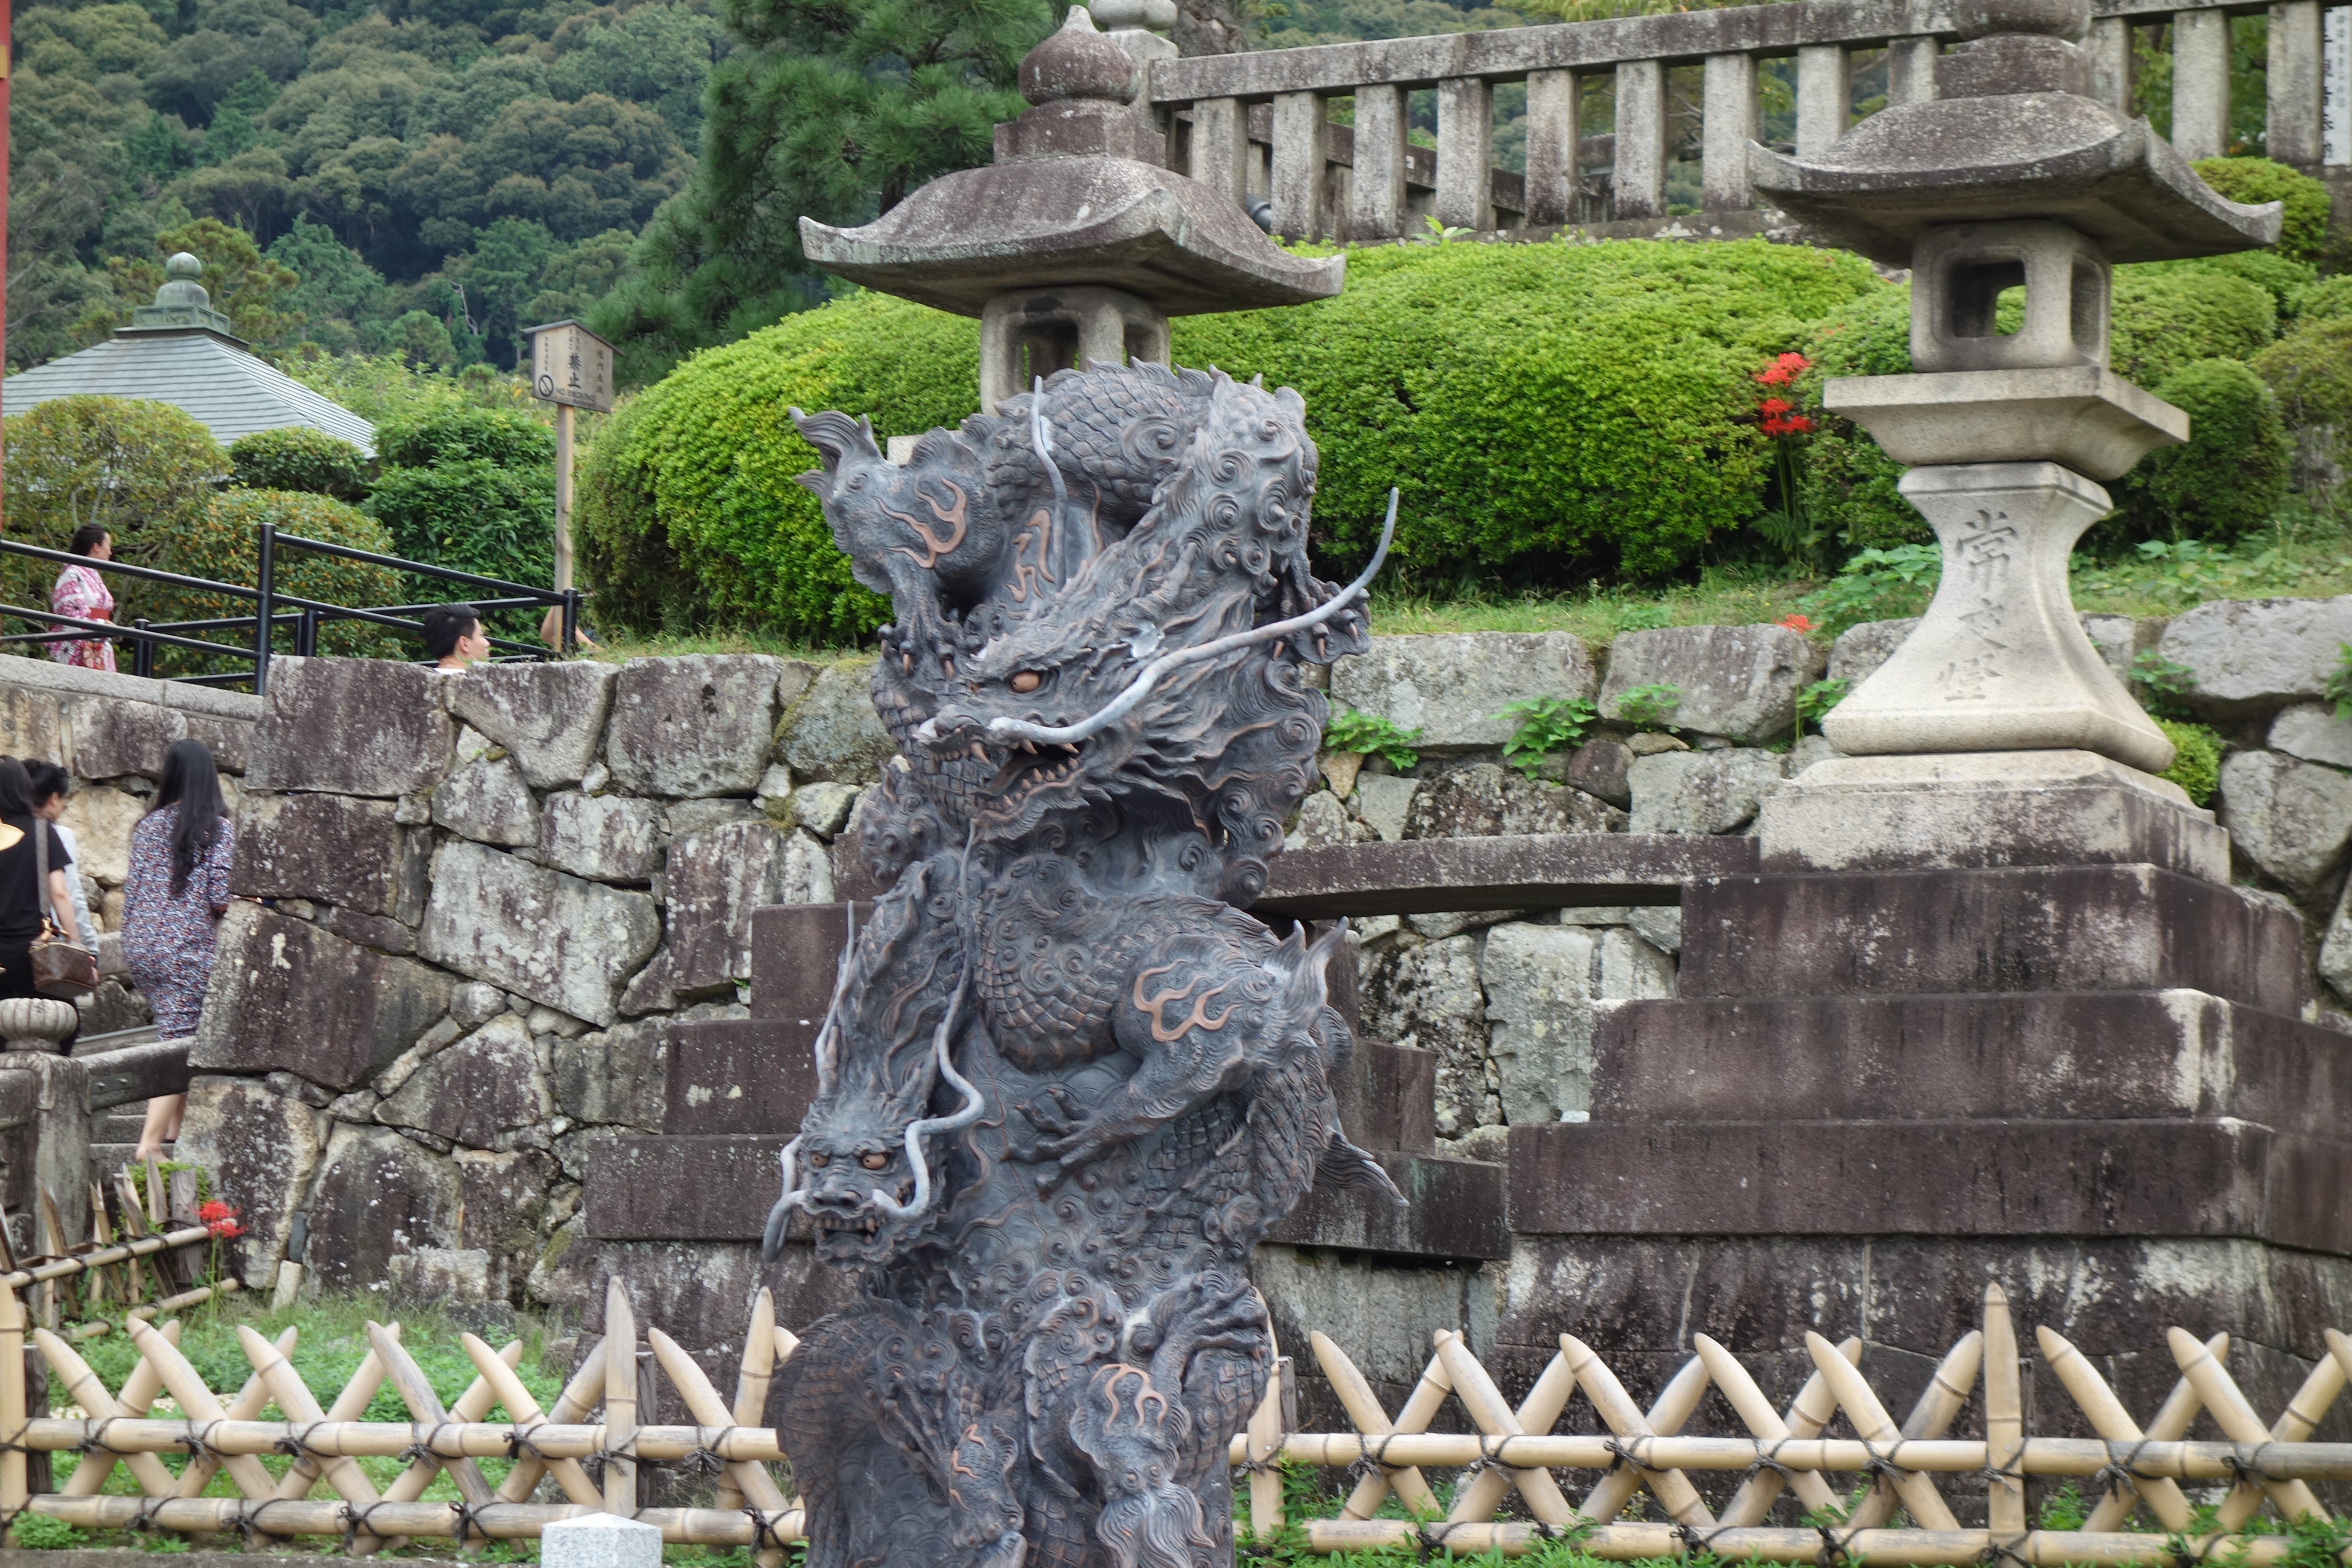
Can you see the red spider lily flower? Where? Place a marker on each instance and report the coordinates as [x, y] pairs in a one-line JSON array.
[[1798, 624], [1784, 370], [1775, 406], [220, 1219], [1786, 425]]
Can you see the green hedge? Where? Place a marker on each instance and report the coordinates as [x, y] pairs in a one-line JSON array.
[[1553, 413], [219, 542], [2231, 476], [299, 459], [2303, 234]]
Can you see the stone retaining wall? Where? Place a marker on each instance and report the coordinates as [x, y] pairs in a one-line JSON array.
[[109, 733], [491, 895]]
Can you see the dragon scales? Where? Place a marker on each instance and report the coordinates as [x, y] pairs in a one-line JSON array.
[[1067, 1084]]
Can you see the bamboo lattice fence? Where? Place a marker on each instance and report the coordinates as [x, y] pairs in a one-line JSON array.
[[1902, 1517]]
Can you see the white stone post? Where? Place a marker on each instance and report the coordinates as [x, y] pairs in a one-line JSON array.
[[1376, 192], [2110, 48], [2336, 86], [1554, 126], [1824, 97], [2000, 662], [1220, 146], [2200, 84], [599, 1540], [2293, 124], [1641, 180], [1728, 124], [1911, 70], [1465, 153], [1302, 151]]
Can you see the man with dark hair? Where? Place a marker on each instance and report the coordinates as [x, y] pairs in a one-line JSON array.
[[454, 639], [49, 789]]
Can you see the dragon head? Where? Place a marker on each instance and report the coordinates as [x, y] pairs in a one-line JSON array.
[[863, 1167]]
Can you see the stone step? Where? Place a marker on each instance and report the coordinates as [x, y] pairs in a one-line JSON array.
[[739, 1076], [722, 1189], [1547, 870], [2155, 1177], [2093, 1055], [2077, 928]]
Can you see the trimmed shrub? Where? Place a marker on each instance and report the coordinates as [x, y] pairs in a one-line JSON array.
[[1552, 413], [135, 467], [2166, 318], [2196, 759], [2310, 373], [472, 489], [299, 459], [2329, 300], [2227, 480], [2284, 281], [688, 515], [220, 542], [2303, 233]]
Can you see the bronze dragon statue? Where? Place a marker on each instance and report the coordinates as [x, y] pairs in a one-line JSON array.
[[1066, 1083]]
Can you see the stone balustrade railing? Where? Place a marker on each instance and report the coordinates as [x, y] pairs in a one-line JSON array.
[[1261, 123]]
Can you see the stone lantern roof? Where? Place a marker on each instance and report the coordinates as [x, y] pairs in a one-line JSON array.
[[1077, 195], [2013, 132], [180, 350]]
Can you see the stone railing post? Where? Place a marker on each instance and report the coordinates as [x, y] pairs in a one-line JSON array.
[[2201, 83], [1376, 200], [1824, 96], [1555, 118], [1911, 70], [1730, 124], [1302, 155], [1466, 152], [2110, 49], [2294, 133], [1221, 146], [1641, 180]]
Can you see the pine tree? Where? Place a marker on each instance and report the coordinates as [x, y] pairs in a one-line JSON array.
[[831, 109]]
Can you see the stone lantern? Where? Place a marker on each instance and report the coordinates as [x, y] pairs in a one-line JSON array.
[[2013, 177], [1078, 243]]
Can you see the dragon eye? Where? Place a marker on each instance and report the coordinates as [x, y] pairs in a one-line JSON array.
[[817, 1162], [1026, 681], [874, 1160]]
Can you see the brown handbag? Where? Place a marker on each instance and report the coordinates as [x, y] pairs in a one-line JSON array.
[[60, 969]]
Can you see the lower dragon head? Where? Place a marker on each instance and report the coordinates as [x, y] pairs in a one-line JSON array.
[[863, 1167]]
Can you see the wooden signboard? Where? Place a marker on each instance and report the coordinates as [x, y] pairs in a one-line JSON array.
[[571, 366]]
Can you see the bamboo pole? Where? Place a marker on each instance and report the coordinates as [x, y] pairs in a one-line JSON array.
[[349, 1406], [2340, 1349], [2171, 1422], [1480, 1495], [524, 1411], [1676, 1404], [82, 1263], [196, 1297], [1928, 1510], [1617, 1410], [139, 1392], [91, 1395], [702, 1401], [1806, 1417], [15, 1420], [1865, 1549], [389, 1522], [416, 1393], [578, 1398], [2110, 1420], [751, 1378], [1932, 1416], [294, 1397], [2004, 1418], [1363, 1407], [1265, 1434], [620, 1401], [2237, 1420], [197, 1401], [1484, 1401], [2303, 1412]]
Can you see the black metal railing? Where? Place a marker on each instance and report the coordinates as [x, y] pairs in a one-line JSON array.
[[274, 611]]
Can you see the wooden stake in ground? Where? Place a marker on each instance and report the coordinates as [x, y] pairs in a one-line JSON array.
[[1264, 1436], [620, 1401], [14, 1471], [2005, 1421], [751, 1477], [752, 1379]]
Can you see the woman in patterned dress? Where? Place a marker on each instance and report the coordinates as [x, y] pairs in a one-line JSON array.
[[81, 592], [171, 906]]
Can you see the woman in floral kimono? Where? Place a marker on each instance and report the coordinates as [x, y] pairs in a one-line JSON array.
[[81, 593]]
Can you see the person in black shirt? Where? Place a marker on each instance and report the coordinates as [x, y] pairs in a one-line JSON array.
[[20, 901]]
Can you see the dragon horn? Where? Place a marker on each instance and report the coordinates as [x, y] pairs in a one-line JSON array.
[[771, 1240], [1118, 707], [828, 1038], [974, 1103]]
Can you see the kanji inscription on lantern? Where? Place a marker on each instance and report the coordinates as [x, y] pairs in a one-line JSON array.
[[570, 365]]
